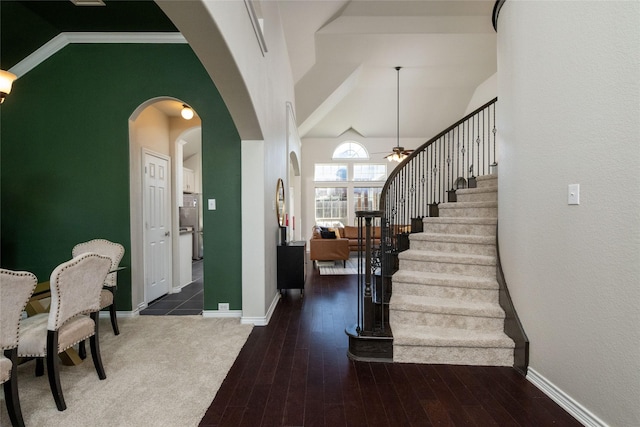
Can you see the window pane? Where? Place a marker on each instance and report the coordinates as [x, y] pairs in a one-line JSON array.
[[369, 172], [366, 199], [331, 206], [350, 150], [330, 172]]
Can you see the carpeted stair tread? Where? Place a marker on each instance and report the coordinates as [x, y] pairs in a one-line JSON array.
[[468, 205], [485, 189], [443, 279], [454, 238], [417, 335], [428, 304], [447, 257], [461, 220]]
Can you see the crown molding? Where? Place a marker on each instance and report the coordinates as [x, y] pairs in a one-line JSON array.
[[63, 39]]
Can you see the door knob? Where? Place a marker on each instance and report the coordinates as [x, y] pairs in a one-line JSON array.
[[166, 234]]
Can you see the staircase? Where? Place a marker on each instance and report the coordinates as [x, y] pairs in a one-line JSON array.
[[444, 308]]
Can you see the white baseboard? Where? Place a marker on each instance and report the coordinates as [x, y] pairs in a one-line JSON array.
[[262, 321], [222, 314], [578, 411]]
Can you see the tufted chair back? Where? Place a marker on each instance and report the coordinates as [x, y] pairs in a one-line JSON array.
[[16, 287], [115, 251], [76, 286]]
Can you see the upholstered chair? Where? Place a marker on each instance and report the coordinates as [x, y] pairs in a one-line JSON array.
[[16, 287], [115, 251], [72, 318]]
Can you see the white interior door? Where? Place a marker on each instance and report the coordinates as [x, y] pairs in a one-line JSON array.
[[157, 226]]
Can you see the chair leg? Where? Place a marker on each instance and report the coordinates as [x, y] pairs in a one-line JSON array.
[[114, 319], [53, 371], [94, 342], [12, 399], [82, 349], [39, 367]]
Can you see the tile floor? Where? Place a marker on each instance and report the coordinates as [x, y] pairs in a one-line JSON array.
[[189, 301]]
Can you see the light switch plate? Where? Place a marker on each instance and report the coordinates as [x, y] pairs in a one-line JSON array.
[[574, 194], [212, 204]]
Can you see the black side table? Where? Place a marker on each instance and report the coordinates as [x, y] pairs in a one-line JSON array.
[[292, 266]]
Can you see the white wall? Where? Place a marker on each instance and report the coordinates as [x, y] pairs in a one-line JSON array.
[[231, 56], [569, 112], [484, 93]]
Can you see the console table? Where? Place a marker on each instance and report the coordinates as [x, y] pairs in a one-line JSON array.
[[292, 266]]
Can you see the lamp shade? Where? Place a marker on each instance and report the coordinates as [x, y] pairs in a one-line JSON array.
[[6, 80]]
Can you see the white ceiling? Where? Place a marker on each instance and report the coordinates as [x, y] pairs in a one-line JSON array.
[[192, 138], [344, 53]]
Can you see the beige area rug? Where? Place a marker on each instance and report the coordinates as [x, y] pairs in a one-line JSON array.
[[161, 371], [328, 268]]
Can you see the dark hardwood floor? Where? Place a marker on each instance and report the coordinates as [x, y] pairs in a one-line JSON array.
[[295, 372]]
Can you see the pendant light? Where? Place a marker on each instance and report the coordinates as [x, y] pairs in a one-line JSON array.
[[398, 153]]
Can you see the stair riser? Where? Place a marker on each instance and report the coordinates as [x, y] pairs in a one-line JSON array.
[[470, 229], [468, 212], [487, 181], [453, 355], [458, 294], [439, 320], [458, 248], [449, 268], [489, 196]]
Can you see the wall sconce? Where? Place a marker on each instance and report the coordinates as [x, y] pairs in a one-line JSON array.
[[187, 112], [6, 80]]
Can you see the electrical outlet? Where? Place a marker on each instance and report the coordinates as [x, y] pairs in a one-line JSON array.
[[223, 306]]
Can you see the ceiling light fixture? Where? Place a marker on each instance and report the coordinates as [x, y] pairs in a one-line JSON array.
[[6, 80], [398, 153], [187, 112]]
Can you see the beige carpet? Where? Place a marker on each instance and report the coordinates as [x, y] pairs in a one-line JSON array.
[[161, 371]]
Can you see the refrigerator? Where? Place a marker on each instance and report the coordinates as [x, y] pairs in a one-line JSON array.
[[191, 216]]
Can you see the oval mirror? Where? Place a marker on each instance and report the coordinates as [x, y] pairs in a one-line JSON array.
[[280, 209]]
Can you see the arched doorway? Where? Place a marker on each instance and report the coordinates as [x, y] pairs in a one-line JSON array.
[[157, 135]]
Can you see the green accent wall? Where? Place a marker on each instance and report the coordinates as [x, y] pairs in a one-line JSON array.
[[64, 159]]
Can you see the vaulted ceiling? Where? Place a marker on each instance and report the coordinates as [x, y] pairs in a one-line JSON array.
[[343, 55]]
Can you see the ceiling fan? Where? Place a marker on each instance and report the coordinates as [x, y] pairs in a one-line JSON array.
[[398, 153]]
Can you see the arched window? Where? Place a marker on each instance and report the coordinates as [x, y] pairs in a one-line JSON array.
[[350, 150]]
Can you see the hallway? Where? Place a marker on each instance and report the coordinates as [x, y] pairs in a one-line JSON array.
[[295, 372]]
